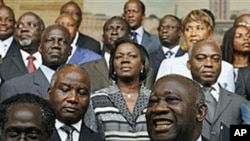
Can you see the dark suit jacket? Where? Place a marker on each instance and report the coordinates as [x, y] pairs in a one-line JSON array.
[[227, 112], [157, 57], [12, 66], [150, 42], [86, 134], [13, 49], [87, 42], [35, 83], [242, 84]]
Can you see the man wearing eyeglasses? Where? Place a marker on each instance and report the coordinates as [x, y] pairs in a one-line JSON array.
[[169, 34]]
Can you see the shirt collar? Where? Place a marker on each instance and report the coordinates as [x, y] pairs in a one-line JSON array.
[[48, 72], [77, 125], [8, 41], [174, 50], [139, 31], [199, 139]]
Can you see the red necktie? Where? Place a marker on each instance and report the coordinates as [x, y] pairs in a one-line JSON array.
[[31, 66]]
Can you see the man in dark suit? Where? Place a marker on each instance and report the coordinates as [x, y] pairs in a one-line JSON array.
[[8, 45], [169, 31], [176, 109], [223, 106], [28, 32], [80, 40], [134, 14], [54, 54], [69, 93]]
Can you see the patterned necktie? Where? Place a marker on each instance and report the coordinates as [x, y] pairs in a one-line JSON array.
[[69, 130], [31, 66], [211, 103], [168, 54], [134, 34]]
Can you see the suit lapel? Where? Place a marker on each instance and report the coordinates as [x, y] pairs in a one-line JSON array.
[[180, 52], [18, 61], [224, 101], [146, 39], [41, 83], [55, 136], [102, 67]]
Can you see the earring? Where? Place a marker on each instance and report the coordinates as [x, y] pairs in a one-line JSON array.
[[141, 70], [114, 73]]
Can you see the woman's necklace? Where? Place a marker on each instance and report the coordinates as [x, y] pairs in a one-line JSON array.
[[129, 95]]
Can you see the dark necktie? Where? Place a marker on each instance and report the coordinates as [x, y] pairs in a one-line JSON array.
[[168, 54], [31, 66], [69, 130], [211, 103], [134, 34]]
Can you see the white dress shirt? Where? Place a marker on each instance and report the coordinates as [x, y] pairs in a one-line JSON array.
[[107, 58], [139, 35], [174, 50], [63, 134], [48, 72], [177, 65], [73, 45], [37, 62], [5, 45]]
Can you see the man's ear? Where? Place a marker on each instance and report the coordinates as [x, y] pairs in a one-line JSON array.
[[188, 64], [48, 93], [201, 112]]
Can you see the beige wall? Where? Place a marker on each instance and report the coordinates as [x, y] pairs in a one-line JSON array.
[[48, 10]]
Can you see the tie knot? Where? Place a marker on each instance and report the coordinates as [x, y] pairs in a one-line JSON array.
[[207, 89], [133, 33], [168, 54], [68, 129], [31, 58]]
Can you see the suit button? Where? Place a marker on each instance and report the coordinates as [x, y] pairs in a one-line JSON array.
[[213, 133]]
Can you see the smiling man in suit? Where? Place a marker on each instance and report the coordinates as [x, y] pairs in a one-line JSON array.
[[55, 49]]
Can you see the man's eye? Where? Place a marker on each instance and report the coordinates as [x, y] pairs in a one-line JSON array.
[[172, 99], [33, 135], [12, 133]]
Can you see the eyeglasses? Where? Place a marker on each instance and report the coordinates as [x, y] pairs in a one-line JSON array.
[[169, 28]]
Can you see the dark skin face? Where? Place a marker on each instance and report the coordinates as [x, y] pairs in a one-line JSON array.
[[28, 32], [68, 22], [55, 46], [241, 40], [172, 114], [73, 9], [127, 62], [133, 14], [70, 94], [169, 32], [205, 63], [115, 29], [7, 23], [24, 123]]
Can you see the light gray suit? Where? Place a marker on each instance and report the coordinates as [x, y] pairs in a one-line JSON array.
[[227, 112], [34, 83]]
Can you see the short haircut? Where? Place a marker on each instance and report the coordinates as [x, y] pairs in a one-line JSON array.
[[11, 10], [174, 17], [199, 16], [143, 7], [127, 26], [40, 20], [77, 7], [47, 112], [143, 54], [207, 40], [54, 76]]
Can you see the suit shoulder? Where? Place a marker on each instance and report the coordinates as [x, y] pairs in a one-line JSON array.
[[88, 38]]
